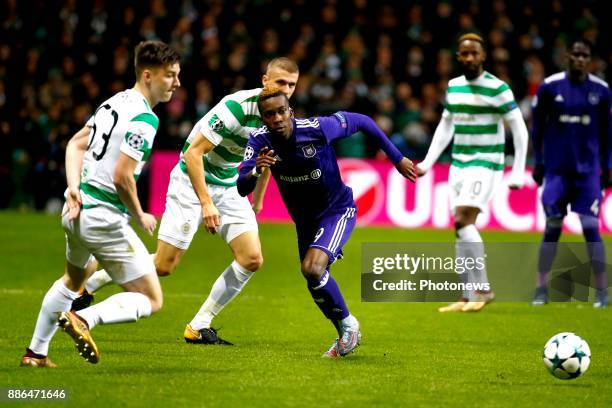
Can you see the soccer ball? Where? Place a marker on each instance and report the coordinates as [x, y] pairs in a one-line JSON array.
[[567, 356]]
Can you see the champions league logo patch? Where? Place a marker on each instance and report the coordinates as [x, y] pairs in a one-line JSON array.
[[309, 151], [217, 125], [135, 141], [593, 98], [248, 153]]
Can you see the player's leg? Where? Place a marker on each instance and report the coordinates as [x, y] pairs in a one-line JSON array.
[[476, 191], [555, 203], [239, 229], [586, 203], [59, 297], [469, 245], [319, 248], [119, 250]]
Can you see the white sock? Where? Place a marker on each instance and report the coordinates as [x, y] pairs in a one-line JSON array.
[[119, 308], [97, 280], [227, 286], [470, 244], [58, 299], [349, 321]]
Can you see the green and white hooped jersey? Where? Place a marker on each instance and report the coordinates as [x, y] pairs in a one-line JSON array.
[[477, 108], [228, 126], [124, 123]]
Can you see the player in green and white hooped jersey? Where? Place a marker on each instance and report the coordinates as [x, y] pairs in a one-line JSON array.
[[477, 104], [217, 146], [202, 189], [102, 161]]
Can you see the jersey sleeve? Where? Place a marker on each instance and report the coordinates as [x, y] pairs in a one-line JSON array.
[[250, 155], [138, 140], [538, 122], [506, 101], [246, 184], [335, 126], [209, 126]]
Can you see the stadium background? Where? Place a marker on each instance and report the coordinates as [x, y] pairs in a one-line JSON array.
[[388, 59]]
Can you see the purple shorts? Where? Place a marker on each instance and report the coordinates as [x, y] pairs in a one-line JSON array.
[[329, 233], [581, 191]]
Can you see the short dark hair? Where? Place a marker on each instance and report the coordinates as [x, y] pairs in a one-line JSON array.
[[269, 92], [153, 54], [579, 40]]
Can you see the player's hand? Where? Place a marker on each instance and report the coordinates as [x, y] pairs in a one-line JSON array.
[[73, 203], [516, 181], [264, 159], [419, 171], [538, 174], [211, 217], [406, 169], [147, 222]]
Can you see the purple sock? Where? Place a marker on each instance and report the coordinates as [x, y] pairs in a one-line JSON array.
[[326, 294], [596, 250], [548, 251], [597, 254]]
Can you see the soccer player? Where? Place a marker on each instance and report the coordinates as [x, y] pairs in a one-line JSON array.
[[304, 165], [103, 159], [571, 142], [203, 190], [477, 103]]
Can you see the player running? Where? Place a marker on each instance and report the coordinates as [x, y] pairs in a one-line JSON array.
[[202, 189], [571, 143], [304, 165], [477, 103], [103, 161]]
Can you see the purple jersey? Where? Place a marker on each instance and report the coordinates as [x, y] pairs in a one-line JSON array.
[[306, 168], [572, 120]]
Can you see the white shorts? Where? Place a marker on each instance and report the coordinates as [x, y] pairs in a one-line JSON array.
[[183, 214], [105, 234], [472, 186]]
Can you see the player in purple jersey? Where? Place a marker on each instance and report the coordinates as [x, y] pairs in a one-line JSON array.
[[571, 139], [304, 165]]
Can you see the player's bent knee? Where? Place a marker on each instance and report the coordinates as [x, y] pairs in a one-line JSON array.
[[165, 268], [251, 262], [312, 270]]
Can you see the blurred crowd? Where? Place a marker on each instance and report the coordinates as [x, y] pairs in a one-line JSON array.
[[388, 59]]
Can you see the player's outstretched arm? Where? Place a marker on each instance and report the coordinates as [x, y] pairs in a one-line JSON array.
[[520, 136], [125, 184], [441, 138], [77, 146], [195, 169]]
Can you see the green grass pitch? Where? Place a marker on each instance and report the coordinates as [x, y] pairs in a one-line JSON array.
[[410, 355]]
